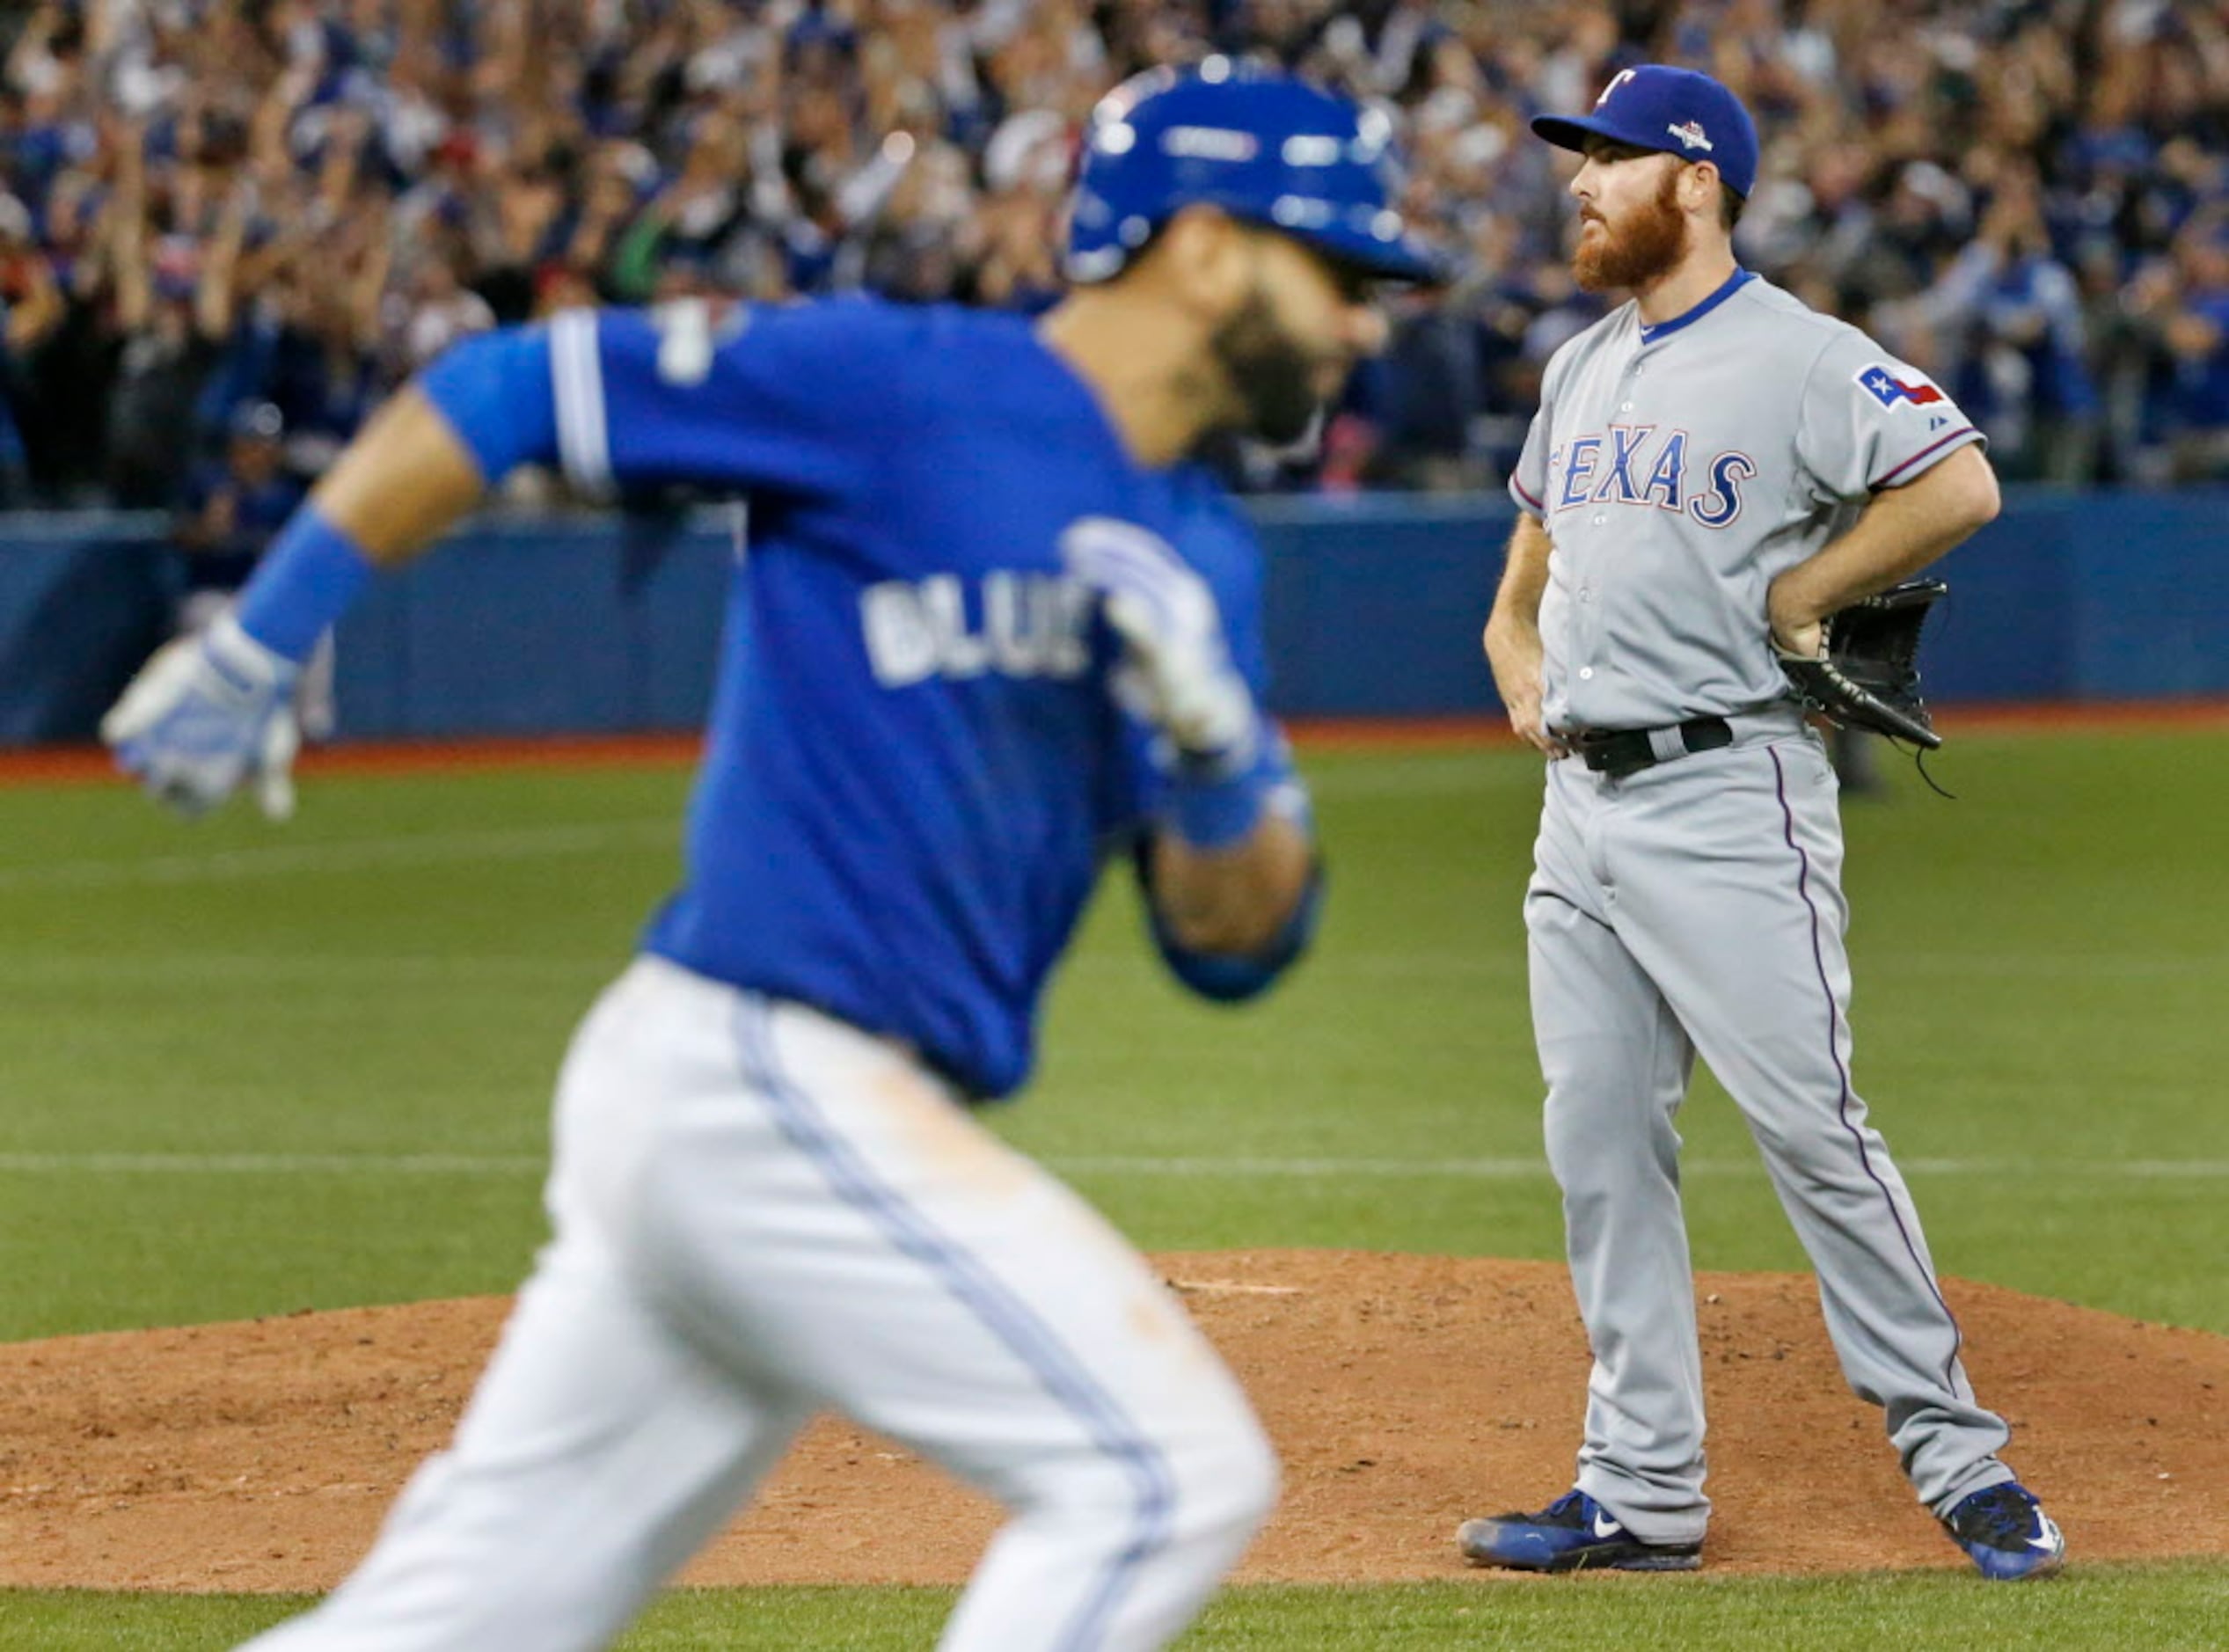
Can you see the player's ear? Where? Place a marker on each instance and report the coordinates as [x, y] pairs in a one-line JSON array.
[[1203, 255], [1699, 190]]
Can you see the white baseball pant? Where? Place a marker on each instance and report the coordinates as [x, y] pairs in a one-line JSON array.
[[760, 1212]]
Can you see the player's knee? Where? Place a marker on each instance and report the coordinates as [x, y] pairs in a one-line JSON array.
[[1215, 1477], [1579, 1155], [1813, 1161], [1200, 1478]]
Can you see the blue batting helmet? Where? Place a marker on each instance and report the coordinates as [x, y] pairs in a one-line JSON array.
[[1262, 146]]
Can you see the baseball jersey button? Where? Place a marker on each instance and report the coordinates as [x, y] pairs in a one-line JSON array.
[[1600, 520], [1624, 407], [1586, 674]]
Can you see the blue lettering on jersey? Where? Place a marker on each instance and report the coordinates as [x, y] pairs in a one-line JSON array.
[[1663, 488], [1625, 443], [1723, 503], [1645, 469], [1579, 468]]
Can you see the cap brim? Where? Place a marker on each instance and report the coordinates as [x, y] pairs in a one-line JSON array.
[[1572, 131]]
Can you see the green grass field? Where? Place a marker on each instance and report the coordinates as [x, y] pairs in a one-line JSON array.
[[248, 1069]]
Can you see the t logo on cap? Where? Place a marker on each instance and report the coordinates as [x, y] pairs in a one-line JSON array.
[[1615, 81], [1671, 112]]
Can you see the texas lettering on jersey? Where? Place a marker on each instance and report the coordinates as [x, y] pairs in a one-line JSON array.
[[1639, 465]]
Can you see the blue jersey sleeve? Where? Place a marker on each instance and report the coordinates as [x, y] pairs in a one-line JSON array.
[[788, 400]]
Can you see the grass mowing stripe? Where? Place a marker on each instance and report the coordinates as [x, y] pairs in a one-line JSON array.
[[272, 1164], [343, 855], [1419, 962], [1087, 1164], [2164, 1608]]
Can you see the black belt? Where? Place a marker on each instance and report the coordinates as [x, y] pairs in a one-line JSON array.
[[1619, 752]]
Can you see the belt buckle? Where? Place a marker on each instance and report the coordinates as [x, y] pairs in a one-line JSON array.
[[1601, 749]]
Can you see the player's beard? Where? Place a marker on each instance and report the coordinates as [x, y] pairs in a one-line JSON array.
[[1272, 374], [1648, 246]]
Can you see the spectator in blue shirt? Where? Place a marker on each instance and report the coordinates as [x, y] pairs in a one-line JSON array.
[[231, 509]]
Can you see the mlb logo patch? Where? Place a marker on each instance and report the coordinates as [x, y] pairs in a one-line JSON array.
[[1882, 384], [1691, 134]]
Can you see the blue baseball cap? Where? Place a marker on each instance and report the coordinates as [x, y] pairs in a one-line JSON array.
[[1260, 145], [1676, 111]]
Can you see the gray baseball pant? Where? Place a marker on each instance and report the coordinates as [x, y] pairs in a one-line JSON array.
[[1697, 907]]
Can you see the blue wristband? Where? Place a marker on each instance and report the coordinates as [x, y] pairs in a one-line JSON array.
[[305, 583], [1217, 813]]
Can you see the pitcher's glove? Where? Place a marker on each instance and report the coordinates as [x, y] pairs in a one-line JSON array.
[[1864, 675]]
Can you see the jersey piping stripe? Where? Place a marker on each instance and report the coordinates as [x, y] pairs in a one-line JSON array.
[[576, 381], [969, 1281], [1526, 496], [1652, 332], [1956, 436], [1834, 1046]]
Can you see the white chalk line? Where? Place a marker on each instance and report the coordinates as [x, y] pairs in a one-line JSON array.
[[1242, 1168]]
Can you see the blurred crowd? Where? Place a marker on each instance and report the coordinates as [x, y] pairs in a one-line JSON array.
[[229, 226]]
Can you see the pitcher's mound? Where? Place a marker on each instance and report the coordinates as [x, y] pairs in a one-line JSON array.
[[1406, 1393]]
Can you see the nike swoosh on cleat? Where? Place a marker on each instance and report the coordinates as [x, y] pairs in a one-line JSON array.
[[2050, 1540], [1606, 1527]]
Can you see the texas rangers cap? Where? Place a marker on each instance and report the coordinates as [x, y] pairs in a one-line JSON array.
[[1677, 110]]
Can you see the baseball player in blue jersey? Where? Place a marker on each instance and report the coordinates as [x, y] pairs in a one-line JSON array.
[[1714, 468], [992, 629]]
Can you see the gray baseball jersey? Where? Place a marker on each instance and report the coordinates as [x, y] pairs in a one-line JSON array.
[[1679, 468], [1695, 907]]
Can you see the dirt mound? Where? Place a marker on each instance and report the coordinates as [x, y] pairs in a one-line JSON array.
[[1405, 1392]]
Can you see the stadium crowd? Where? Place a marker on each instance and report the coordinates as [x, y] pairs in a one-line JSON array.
[[231, 224]]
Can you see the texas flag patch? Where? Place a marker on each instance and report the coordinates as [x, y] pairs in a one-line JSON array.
[[1882, 384]]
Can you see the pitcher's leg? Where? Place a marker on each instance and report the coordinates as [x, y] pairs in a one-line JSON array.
[[1750, 952], [597, 1454], [941, 1288], [1895, 1337], [1617, 1064]]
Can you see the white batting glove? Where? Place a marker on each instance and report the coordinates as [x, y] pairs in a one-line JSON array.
[[206, 714], [1180, 673]]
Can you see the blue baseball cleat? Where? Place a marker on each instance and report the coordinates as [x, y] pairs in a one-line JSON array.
[[1572, 1532], [2005, 1533]]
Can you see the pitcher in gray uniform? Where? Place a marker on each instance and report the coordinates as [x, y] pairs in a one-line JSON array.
[[1714, 467]]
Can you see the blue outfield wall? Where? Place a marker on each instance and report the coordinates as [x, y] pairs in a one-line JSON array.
[[1374, 608]]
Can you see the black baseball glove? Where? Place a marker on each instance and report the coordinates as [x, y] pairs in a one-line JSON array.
[[1865, 676]]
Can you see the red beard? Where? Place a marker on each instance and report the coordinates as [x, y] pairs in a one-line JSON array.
[[1648, 246]]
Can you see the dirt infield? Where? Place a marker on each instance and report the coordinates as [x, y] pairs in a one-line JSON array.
[[1405, 1392]]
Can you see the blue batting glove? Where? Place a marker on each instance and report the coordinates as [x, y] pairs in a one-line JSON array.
[[206, 714], [1180, 673]]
